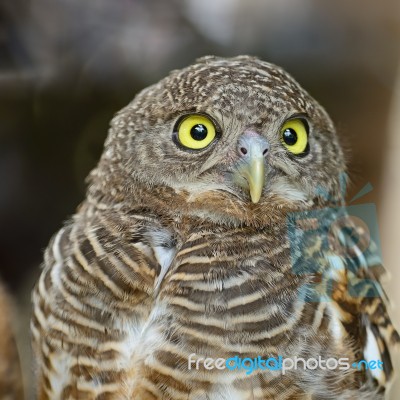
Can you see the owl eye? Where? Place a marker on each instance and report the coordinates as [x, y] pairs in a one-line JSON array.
[[196, 132], [294, 136]]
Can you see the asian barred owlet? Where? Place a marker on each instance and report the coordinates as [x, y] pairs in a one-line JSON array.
[[214, 226]]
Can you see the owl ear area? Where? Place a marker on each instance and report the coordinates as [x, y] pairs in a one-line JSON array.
[[195, 131], [294, 136]]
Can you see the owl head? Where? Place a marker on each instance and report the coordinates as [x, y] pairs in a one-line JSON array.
[[232, 140]]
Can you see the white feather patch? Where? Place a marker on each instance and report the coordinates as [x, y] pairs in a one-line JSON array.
[[164, 257], [372, 353], [289, 191], [59, 260], [335, 324], [164, 254], [224, 392]]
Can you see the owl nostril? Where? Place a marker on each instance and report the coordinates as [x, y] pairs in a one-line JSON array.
[[251, 144]]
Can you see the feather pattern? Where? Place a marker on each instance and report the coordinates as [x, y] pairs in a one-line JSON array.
[[168, 258]]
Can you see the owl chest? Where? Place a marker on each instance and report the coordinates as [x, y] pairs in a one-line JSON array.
[[219, 299], [213, 296], [226, 291]]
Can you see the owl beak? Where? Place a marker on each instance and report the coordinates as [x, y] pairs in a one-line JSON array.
[[254, 174], [253, 149]]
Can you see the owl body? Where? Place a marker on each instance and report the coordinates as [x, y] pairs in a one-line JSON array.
[[183, 250]]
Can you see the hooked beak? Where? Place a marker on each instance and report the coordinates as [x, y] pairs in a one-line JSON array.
[[250, 173], [254, 173]]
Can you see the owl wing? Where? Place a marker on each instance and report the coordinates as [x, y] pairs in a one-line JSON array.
[[11, 384], [359, 289], [91, 301], [356, 272], [339, 252]]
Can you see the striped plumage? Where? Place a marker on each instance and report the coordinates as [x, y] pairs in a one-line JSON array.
[[169, 255]]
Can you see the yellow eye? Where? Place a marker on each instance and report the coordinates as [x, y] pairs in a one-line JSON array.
[[196, 132], [294, 136]]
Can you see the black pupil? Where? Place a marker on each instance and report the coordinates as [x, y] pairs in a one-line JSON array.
[[198, 132], [290, 136]]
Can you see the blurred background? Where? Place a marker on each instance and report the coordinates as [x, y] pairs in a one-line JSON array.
[[67, 66]]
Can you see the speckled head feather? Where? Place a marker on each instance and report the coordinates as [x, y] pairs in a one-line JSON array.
[[239, 94]]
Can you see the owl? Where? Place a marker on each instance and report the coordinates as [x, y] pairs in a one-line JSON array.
[[213, 256]]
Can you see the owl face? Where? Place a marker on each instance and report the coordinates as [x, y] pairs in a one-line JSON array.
[[228, 138]]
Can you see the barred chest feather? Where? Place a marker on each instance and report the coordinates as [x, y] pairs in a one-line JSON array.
[[124, 303]]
